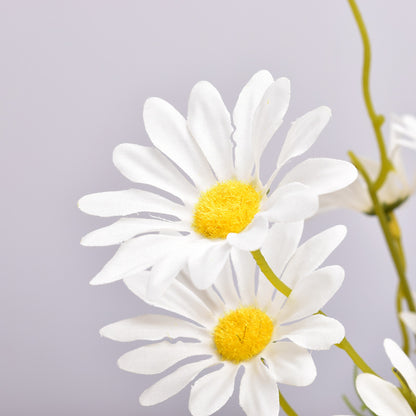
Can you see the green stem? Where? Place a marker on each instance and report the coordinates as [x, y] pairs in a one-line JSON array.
[[403, 329], [377, 120], [286, 406], [286, 290], [385, 226]]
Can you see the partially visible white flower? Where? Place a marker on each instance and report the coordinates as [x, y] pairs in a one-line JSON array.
[[382, 397], [233, 325], [409, 318], [397, 187], [220, 201]]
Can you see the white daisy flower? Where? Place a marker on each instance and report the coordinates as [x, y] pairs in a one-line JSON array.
[[234, 325], [220, 201], [384, 398], [397, 187]]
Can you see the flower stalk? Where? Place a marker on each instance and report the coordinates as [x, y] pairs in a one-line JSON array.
[[286, 406]]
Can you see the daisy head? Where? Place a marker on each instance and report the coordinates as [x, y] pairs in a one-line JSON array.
[[210, 196], [238, 324]]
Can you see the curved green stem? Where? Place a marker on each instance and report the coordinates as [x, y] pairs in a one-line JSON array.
[[286, 406], [403, 329], [286, 290], [377, 120]]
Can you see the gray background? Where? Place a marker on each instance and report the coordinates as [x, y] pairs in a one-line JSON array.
[[73, 78]]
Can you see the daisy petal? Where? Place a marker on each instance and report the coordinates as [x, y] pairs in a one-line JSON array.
[[127, 228], [156, 358], [245, 269], [151, 328], [168, 131], [311, 254], [316, 332], [174, 382], [290, 364], [409, 318], [243, 114], [210, 124], [226, 287], [252, 237], [382, 397], [259, 394], [322, 175], [402, 362], [303, 134], [311, 293], [212, 391], [147, 165], [130, 201], [290, 203]]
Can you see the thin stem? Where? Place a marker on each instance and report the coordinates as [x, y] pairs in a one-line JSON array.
[[286, 290], [385, 226], [403, 329], [377, 120], [286, 406]]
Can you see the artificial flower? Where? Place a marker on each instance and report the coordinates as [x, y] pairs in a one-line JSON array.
[[213, 198], [397, 187], [384, 398], [233, 325]]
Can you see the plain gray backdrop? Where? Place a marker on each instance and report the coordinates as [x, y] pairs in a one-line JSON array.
[[73, 78]]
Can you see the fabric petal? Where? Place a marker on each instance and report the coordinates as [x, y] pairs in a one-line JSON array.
[[290, 363], [210, 124], [243, 114], [259, 394], [147, 165], [291, 202], [156, 358], [226, 287], [382, 397], [130, 201], [401, 362], [303, 134], [169, 132], [151, 328], [174, 382], [311, 254], [323, 175], [245, 269], [409, 318], [317, 332], [212, 391], [311, 293], [252, 237]]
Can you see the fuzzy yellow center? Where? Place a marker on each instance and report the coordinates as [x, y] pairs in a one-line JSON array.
[[227, 207], [242, 334]]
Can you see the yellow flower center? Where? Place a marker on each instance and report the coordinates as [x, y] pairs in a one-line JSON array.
[[242, 334], [227, 207]]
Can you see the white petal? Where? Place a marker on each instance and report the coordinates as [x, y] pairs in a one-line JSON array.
[[126, 228], [156, 358], [382, 397], [280, 244], [323, 175], [207, 261], [317, 332], [173, 300], [311, 254], [265, 292], [210, 124], [169, 132], [290, 363], [269, 115], [245, 269], [259, 394], [212, 391], [130, 201], [252, 237], [243, 114], [135, 255], [303, 134], [226, 287], [151, 328], [402, 362], [291, 202], [174, 382], [409, 318], [147, 165], [311, 293]]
